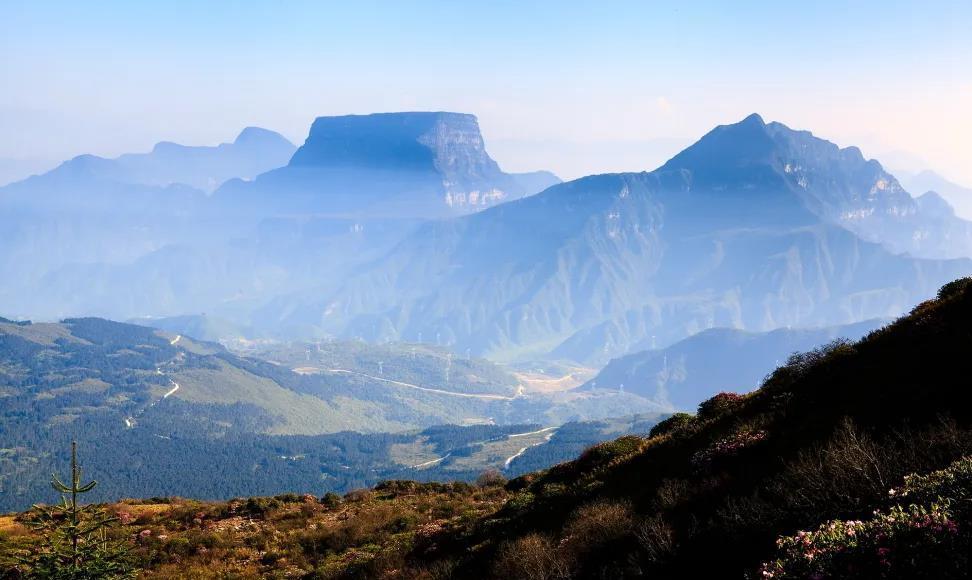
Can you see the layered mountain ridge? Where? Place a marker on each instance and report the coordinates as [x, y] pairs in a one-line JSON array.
[[750, 228], [361, 235], [254, 151]]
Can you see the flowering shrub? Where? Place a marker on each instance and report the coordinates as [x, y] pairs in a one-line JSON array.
[[910, 542], [926, 540], [954, 483], [718, 405], [727, 447]]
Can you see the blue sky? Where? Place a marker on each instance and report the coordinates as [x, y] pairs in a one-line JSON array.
[[577, 87]]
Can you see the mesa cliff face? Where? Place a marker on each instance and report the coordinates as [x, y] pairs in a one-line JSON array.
[[414, 164]]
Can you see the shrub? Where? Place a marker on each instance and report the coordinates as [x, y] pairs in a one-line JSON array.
[[331, 500], [719, 404], [928, 539], [491, 478], [258, 507], [399, 486], [672, 424], [522, 482], [288, 498], [954, 483], [358, 495], [912, 542], [598, 522], [656, 538], [520, 501], [800, 363], [604, 453], [954, 288], [532, 557], [727, 447]]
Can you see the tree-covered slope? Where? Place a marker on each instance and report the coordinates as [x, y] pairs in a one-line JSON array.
[[168, 414]]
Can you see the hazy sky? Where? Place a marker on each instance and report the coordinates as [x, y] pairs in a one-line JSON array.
[[576, 87]]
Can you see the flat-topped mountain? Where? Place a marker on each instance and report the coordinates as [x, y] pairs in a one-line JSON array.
[[414, 164]]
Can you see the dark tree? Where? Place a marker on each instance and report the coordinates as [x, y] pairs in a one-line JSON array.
[[75, 542]]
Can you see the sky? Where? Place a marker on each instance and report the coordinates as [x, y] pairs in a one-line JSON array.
[[573, 87]]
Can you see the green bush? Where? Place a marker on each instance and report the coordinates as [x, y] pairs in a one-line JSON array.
[[331, 500], [672, 424], [603, 453], [719, 404], [954, 288]]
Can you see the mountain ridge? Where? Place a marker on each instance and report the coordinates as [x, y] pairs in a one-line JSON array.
[[601, 261], [253, 151]]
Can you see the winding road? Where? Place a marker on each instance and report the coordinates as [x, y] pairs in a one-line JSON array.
[[426, 389], [552, 430], [130, 421]]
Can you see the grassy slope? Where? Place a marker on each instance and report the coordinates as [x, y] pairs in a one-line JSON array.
[[297, 414]]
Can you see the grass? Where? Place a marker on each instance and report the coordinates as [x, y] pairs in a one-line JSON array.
[[297, 414]]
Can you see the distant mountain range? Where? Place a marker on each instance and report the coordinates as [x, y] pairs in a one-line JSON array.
[[13, 169], [400, 226], [254, 151], [954, 194], [126, 238], [753, 227], [715, 360]]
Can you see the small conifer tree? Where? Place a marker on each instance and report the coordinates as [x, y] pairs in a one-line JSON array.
[[74, 539]]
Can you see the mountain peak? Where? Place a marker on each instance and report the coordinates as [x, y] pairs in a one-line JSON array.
[[728, 153], [931, 203], [403, 141], [753, 119], [251, 135]]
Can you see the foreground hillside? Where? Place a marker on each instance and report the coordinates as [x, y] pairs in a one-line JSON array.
[[826, 436], [807, 477]]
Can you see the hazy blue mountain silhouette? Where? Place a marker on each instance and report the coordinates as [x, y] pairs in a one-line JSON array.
[[108, 237], [254, 151], [421, 164], [715, 360], [746, 228], [956, 195]]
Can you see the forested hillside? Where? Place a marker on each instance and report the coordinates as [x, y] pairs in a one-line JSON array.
[[164, 414]]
